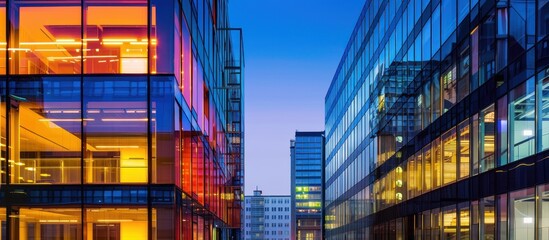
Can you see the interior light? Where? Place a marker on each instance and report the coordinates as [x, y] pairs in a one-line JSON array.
[[58, 221], [64, 40], [124, 119], [109, 147], [64, 119], [528, 133], [45, 175], [30, 169], [527, 220], [112, 43], [119, 40], [114, 220]]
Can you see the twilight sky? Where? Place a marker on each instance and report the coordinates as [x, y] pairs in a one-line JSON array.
[[292, 49]]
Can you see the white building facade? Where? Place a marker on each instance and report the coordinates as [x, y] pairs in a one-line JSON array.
[[267, 217]]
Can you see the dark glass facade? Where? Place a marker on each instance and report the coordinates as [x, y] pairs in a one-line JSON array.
[[437, 122], [120, 119], [306, 179]]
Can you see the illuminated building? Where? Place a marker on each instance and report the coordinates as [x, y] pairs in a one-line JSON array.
[[120, 119], [307, 152], [437, 123], [268, 217]]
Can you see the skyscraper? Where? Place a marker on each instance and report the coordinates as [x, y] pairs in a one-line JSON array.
[[120, 119], [437, 123], [307, 154]]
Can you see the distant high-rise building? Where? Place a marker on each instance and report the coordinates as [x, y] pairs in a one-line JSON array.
[[307, 154], [437, 123], [267, 217]]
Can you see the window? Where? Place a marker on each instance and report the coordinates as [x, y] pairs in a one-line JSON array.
[[427, 181], [522, 215], [449, 18], [114, 42], [487, 130], [543, 111], [46, 120], [450, 221], [449, 156], [437, 163], [522, 121], [464, 148], [448, 84], [47, 37]]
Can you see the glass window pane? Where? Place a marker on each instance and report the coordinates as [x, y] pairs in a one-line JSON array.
[[450, 222], [487, 131], [522, 215], [522, 121], [45, 37], [464, 148], [543, 111], [428, 172], [502, 130], [48, 223], [449, 18], [449, 156], [448, 84], [45, 130], [114, 42], [115, 115], [117, 223], [487, 218]]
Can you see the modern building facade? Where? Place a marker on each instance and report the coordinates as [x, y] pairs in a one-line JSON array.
[[437, 123], [307, 157], [267, 217], [120, 119]]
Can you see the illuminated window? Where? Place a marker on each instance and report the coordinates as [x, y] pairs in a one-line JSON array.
[[49, 223], [464, 148], [46, 37], [449, 156], [115, 42], [487, 130], [117, 223], [45, 134]]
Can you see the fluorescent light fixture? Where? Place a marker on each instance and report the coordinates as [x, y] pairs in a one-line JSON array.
[[527, 220], [119, 40], [30, 169], [20, 164], [528, 133], [45, 175], [112, 43], [108, 147], [64, 40], [114, 220], [124, 119], [58, 221], [64, 119]]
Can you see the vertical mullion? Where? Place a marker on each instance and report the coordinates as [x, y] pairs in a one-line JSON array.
[[8, 115], [82, 134], [149, 130]]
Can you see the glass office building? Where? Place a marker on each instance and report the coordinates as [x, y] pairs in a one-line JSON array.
[[307, 157], [437, 122], [120, 119]]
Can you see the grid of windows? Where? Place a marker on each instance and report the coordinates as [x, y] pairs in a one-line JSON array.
[[431, 98]]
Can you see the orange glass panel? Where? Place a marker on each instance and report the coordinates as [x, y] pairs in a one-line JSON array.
[[46, 37], [116, 42]]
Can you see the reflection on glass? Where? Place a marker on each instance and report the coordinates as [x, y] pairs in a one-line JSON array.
[[449, 156], [522, 120], [487, 131], [448, 83], [45, 127], [543, 111], [543, 212], [522, 215], [115, 115]]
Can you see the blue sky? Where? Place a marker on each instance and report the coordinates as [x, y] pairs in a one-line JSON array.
[[292, 49]]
